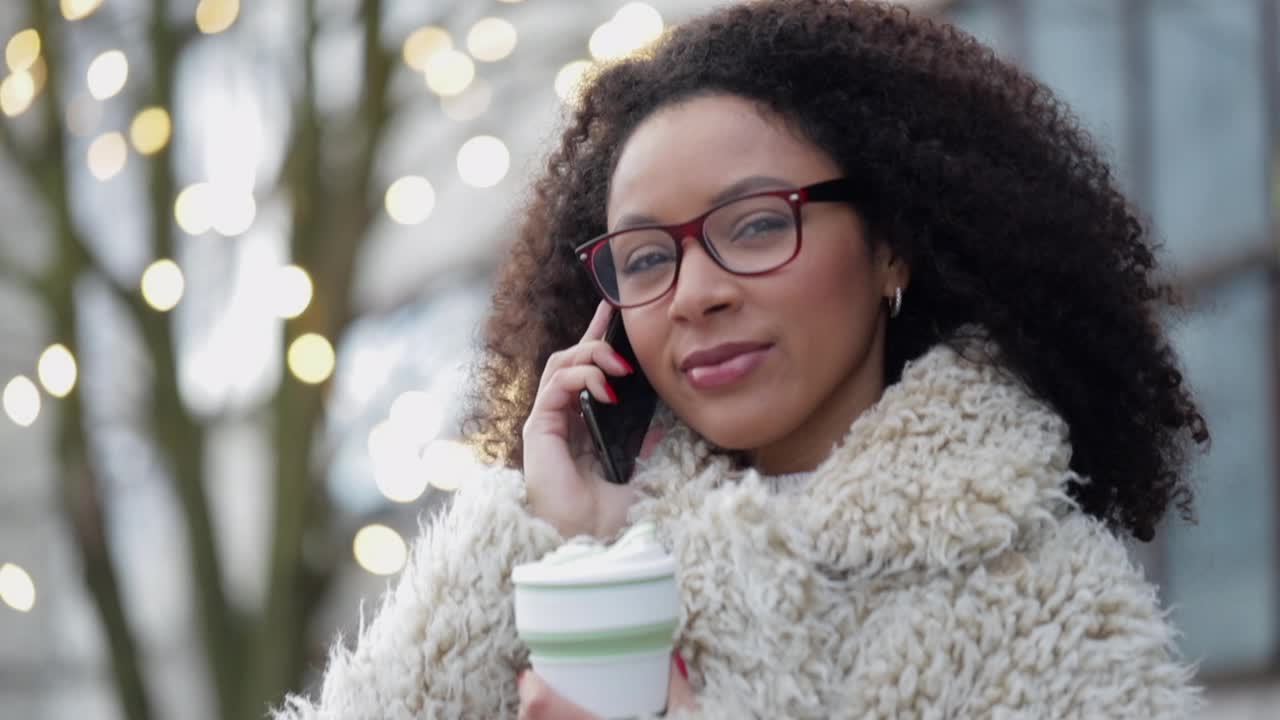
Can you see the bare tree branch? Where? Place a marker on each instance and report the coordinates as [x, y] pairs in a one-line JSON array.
[[79, 487], [180, 435]]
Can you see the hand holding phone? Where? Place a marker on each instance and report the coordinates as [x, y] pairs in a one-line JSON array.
[[564, 479], [618, 429]]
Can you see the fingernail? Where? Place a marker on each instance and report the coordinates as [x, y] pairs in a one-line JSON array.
[[613, 396], [624, 362], [684, 671]]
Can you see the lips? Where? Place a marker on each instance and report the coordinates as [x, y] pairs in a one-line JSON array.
[[724, 364]]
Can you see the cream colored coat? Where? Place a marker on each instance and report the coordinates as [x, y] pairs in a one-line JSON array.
[[932, 567]]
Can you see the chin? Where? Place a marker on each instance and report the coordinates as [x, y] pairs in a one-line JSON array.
[[731, 430]]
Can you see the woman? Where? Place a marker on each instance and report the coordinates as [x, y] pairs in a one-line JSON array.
[[915, 392]]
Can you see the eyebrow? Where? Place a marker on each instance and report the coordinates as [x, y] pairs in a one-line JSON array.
[[736, 189]]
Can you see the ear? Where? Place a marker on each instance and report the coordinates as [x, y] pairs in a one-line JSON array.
[[895, 271]]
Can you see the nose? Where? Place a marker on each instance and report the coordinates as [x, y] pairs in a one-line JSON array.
[[702, 287]]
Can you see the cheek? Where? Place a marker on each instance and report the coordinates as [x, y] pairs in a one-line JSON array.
[[647, 332]]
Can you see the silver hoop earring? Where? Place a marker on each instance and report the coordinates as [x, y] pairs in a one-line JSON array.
[[895, 305]]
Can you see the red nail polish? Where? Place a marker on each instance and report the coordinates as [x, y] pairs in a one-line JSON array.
[[684, 671], [624, 362], [613, 396]]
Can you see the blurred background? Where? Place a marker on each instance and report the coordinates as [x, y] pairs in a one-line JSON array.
[[245, 247]]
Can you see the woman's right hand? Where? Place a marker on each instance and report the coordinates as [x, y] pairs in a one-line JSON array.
[[564, 479]]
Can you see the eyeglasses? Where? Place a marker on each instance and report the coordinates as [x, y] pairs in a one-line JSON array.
[[749, 235]]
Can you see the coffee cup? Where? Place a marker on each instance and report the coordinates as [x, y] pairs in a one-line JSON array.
[[600, 621]]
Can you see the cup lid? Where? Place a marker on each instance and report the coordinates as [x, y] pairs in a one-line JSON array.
[[635, 557]]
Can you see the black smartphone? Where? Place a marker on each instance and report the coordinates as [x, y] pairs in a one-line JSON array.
[[617, 431]]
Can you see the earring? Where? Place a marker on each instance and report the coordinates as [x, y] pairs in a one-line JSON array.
[[895, 305]]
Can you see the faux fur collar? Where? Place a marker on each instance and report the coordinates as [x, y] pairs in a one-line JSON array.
[[954, 464]]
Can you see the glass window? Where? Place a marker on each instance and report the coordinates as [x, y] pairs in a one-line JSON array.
[[1220, 574], [1076, 47], [986, 21], [1209, 170]]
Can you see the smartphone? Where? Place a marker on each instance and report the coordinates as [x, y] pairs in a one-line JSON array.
[[617, 431]]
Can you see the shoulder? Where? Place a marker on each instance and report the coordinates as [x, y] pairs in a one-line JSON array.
[[1082, 631]]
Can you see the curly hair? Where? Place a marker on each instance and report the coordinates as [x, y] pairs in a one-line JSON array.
[[982, 180]]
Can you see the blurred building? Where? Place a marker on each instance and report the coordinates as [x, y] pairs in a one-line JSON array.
[[1184, 96]]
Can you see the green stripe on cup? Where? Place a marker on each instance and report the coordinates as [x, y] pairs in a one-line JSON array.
[[600, 643], [551, 587]]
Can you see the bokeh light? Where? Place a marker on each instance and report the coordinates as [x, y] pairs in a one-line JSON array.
[[379, 549], [79, 9], [16, 588], [470, 104], [107, 155], [162, 285], [107, 74], [449, 464], [17, 91], [420, 413], [410, 200], [193, 208], [83, 115], [311, 358], [233, 211], [483, 161], [21, 401], [449, 72], [22, 50], [150, 130], [569, 80], [214, 16], [292, 291], [57, 370], [491, 39], [423, 43], [634, 26]]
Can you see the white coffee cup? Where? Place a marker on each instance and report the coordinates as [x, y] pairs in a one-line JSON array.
[[600, 621]]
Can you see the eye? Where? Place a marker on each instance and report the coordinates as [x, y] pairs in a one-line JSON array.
[[760, 224], [647, 258]]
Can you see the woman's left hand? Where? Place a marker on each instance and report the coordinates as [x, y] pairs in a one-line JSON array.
[[539, 702]]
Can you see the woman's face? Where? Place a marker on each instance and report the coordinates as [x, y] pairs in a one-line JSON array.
[[809, 335]]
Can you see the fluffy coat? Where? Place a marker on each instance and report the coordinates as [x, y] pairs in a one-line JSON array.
[[932, 567]]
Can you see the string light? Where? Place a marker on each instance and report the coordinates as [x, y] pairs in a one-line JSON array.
[[311, 358], [21, 401], [16, 588], [293, 291], [483, 161], [568, 82], [410, 200], [449, 464], [214, 16], [107, 74], [57, 370], [449, 72], [150, 130], [83, 115], [163, 284], [22, 50], [423, 43], [79, 9], [379, 549], [108, 154], [491, 39], [634, 26], [471, 104], [233, 211], [17, 91]]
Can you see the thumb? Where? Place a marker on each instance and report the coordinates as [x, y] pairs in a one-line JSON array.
[[680, 695]]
